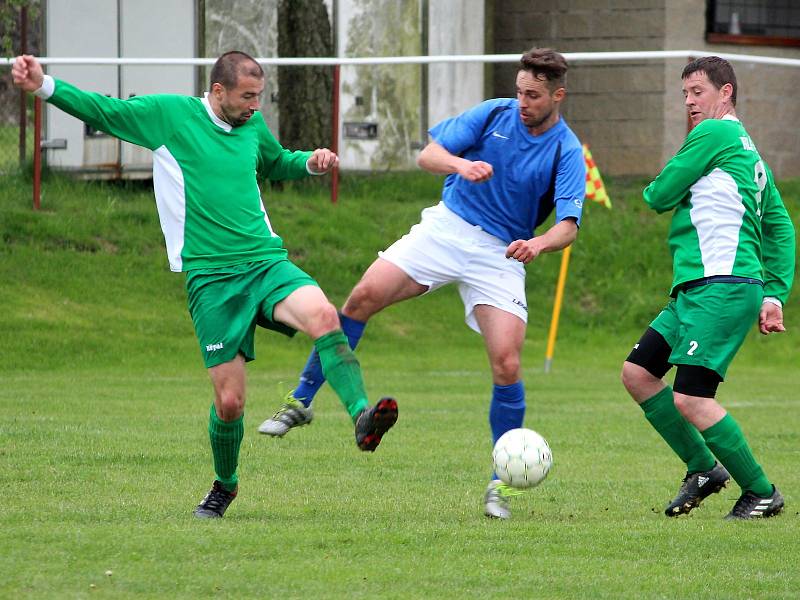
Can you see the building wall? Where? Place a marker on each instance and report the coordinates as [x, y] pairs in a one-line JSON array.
[[632, 114], [454, 28]]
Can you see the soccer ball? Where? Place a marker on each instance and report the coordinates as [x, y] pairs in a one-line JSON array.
[[522, 458]]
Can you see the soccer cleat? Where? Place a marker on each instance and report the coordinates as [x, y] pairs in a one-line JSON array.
[[750, 506], [695, 488], [496, 501], [291, 414], [372, 423], [215, 503]]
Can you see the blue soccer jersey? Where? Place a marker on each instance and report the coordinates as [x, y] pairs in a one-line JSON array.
[[507, 205]]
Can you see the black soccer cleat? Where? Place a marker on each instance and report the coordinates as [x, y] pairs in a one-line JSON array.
[[750, 506], [215, 503], [372, 423], [695, 488]]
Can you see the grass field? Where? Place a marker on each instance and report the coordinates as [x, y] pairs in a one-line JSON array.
[[104, 453], [9, 147]]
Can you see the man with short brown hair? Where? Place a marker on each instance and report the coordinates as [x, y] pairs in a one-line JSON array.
[[509, 163], [208, 156]]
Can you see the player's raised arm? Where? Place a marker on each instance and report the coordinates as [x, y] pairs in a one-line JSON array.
[[435, 158], [143, 120]]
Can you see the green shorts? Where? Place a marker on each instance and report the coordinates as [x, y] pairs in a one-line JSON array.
[[227, 303], [706, 325]]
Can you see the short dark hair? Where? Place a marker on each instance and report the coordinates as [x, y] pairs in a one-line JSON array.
[[230, 65], [718, 70], [546, 63]]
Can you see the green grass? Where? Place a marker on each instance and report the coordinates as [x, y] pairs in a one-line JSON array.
[[9, 147], [103, 448]]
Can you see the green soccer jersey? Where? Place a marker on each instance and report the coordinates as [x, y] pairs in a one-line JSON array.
[[728, 218], [205, 172]]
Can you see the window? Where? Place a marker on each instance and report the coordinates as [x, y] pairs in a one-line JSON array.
[[764, 22]]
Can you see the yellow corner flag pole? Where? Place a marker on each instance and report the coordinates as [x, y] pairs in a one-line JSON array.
[[595, 190], [562, 280]]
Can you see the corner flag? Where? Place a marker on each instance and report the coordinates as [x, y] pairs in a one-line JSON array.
[[595, 190]]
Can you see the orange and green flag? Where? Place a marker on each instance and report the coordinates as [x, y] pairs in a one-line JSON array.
[[595, 190]]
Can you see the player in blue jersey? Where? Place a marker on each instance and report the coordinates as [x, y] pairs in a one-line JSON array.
[[509, 162]]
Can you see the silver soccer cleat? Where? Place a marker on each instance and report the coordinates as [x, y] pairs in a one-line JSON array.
[[292, 413], [496, 501]]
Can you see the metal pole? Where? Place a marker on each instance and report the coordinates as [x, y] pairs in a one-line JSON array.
[[23, 96], [335, 136], [37, 152], [424, 74], [551, 338]]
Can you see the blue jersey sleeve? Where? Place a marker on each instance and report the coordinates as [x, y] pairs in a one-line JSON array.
[[460, 133], [570, 185]]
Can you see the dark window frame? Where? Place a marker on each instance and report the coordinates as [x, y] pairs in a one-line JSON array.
[[745, 38]]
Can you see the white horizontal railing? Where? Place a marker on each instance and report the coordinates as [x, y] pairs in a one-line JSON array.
[[575, 57]]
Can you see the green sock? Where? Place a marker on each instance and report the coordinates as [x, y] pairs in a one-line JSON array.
[[727, 441], [341, 369], [226, 438], [682, 436]]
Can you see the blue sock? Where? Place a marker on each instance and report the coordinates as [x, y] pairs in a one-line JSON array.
[[507, 410], [311, 379]]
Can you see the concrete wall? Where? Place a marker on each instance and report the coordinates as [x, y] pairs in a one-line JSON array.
[[454, 28], [631, 114]]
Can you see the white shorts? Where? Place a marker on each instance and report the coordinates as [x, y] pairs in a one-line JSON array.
[[443, 248]]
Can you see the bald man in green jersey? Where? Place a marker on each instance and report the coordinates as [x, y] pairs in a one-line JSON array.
[[733, 247], [208, 155]]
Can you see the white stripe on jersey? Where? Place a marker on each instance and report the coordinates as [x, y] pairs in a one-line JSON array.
[[717, 212], [171, 201]]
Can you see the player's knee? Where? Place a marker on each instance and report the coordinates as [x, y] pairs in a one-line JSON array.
[[328, 317], [506, 368], [363, 302], [629, 376], [634, 377], [323, 319], [230, 404]]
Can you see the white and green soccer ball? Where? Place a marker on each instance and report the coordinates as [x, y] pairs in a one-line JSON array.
[[522, 458]]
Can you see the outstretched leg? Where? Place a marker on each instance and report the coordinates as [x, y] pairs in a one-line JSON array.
[[308, 310], [381, 285]]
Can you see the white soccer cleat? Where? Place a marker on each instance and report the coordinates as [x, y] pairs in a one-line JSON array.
[[496, 501], [292, 413]]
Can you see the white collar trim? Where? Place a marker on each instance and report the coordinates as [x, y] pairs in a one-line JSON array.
[[214, 118]]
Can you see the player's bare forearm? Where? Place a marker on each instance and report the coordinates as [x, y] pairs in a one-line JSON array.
[[436, 159], [558, 237]]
